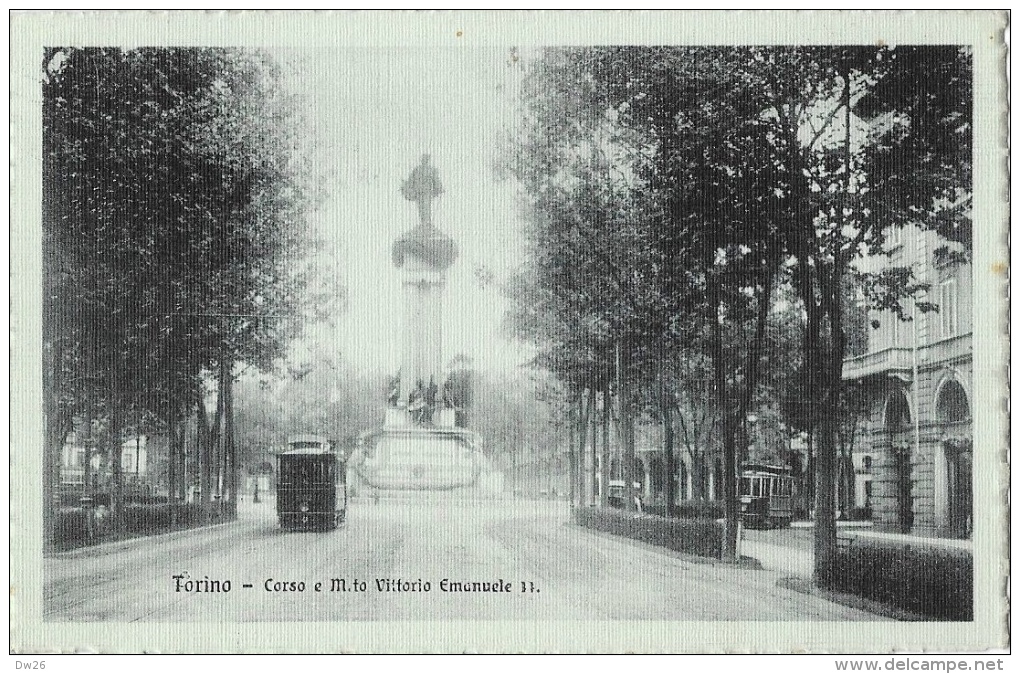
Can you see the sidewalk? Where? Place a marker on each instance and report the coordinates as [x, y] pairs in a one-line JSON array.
[[788, 560], [800, 562], [907, 539], [808, 524]]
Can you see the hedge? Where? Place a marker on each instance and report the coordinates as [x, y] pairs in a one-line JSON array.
[[694, 536], [72, 525], [156, 518], [932, 581]]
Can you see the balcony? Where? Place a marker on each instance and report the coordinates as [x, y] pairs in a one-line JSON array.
[[892, 361], [898, 361], [946, 349]]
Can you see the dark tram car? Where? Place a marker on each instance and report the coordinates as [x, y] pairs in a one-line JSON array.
[[311, 488], [766, 496]]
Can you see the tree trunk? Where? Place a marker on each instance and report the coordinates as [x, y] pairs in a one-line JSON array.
[[116, 442], [626, 416], [731, 508], [56, 426], [809, 480], [606, 457], [851, 484], [669, 463], [574, 414], [729, 482], [220, 440], [203, 435], [88, 441], [171, 457], [582, 443], [825, 500], [230, 446], [754, 356], [828, 444], [697, 477], [183, 476], [56, 432], [597, 486], [830, 288]]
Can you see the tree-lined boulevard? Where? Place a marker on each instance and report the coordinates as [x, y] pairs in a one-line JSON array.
[[698, 219], [694, 224]]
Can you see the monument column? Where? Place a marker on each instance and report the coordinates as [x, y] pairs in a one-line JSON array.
[[426, 450], [423, 255]]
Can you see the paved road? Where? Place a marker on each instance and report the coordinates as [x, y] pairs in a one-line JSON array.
[[567, 573]]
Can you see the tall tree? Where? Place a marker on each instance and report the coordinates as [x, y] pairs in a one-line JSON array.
[[174, 194], [737, 164]]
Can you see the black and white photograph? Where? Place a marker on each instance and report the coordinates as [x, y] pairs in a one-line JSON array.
[[397, 333]]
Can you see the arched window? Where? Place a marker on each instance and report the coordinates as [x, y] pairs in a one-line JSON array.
[[951, 405], [897, 411]]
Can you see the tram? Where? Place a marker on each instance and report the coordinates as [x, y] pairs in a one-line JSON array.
[[766, 495], [311, 486]]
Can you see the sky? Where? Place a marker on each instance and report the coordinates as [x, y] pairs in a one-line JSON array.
[[372, 114]]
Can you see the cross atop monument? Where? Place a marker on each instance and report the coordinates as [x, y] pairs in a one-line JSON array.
[[422, 186]]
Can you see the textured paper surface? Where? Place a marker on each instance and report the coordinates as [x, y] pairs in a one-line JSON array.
[[364, 32]]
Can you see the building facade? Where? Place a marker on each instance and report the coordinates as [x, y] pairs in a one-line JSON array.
[[917, 376], [134, 460]]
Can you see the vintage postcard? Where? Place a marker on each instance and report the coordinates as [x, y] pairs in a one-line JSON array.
[[583, 332]]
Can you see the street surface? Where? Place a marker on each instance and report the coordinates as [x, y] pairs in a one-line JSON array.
[[545, 569]]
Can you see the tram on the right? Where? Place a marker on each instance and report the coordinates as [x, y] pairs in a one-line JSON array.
[[766, 496]]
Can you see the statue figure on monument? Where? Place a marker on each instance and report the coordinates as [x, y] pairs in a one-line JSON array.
[[416, 403], [393, 399], [430, 399], [448, 395], [422, 186]]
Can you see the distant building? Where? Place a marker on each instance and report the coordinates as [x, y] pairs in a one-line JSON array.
[[649, 467], [916, 447], [134, 459]]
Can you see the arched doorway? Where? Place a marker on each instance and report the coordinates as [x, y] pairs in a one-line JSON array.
[[897, 425], [952, 412]]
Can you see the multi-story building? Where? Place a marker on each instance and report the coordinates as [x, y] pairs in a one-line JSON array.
[[917, 376], [133, 461]]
